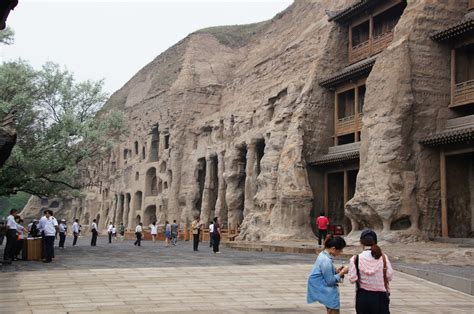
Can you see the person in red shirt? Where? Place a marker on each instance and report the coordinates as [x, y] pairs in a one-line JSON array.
[[322, 223]]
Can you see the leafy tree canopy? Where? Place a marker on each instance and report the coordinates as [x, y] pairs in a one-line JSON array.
[[57, 128], [7, 36]]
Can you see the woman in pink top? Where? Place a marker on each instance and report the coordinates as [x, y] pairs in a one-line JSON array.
[[371, 271]]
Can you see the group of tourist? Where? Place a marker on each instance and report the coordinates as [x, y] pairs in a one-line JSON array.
[[214, 233], [47, 228], [370, 271]]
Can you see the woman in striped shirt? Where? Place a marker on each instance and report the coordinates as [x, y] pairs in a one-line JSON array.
[[371, 271]]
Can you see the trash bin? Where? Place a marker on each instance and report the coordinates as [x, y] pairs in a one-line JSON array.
[[33, 249]]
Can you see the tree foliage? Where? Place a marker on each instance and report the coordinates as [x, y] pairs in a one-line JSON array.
[[57, 128], [7, 36]]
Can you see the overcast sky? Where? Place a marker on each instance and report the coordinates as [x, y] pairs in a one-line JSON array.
[[114, 39]]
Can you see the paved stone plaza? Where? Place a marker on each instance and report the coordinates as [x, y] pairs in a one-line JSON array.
[[123, 278]]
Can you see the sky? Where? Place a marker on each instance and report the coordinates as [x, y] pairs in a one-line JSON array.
[[112, 40]]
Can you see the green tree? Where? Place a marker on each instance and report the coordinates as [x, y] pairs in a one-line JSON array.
[[57, 128], [7, 36]]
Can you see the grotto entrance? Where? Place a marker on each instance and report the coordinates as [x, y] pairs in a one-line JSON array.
[[460, 194], [149, 215], [201, 177], [333, 185]]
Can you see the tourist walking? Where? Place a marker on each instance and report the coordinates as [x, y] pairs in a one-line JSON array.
[[211, 230], [95, 232], [121, 230], [322, 223], [20, 244], [10, 246], [196, 226], [167, 234], [324, 277], [114, 233], [75, 231], [174, 232], [109, 232], [216, 236], [139, 234], [49, 227], [62, 233], [371, 272], [153, 231]]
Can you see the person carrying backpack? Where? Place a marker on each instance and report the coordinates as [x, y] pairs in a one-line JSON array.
[[371, 272]]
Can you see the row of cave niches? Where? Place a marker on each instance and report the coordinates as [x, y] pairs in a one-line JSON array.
[[213, 184]]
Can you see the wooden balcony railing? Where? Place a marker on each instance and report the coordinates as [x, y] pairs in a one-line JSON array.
[[463, 94], [371, 47], [381, 42], [347, 125]]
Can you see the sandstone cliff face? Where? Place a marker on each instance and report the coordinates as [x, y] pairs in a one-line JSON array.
[[222, 124], [407, 98]]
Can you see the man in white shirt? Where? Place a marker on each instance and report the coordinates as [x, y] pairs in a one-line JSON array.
[[49, 226], [138, 233], [10, 246], [75, 231], [62, 233], [95, 232], [109, 231], [211, 230]]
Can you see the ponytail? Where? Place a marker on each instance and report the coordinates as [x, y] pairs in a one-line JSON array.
[[374, 248], [376, 251]]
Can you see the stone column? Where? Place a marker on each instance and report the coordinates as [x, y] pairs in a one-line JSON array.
[[161, 146], [118, 208], [131, 213], [126, 211], [250, 179], [221, 206], [206, 195]]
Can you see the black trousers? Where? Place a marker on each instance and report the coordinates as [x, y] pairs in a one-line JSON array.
[[2, 236], [62, 239], [19, 247], [372, 302], [10, 246], [110, 237], [75, 239], [195, 241], [139, 238], [216, 240], [322, 235], [49, 248], [94, 238]]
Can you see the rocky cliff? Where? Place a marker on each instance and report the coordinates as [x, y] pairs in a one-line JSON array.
[[224, 122]]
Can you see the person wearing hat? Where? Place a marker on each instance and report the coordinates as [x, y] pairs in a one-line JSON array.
[[62, 233], [371, 272]]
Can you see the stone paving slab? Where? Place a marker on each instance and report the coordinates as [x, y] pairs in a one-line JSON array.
[[121, 278], [257, 292]]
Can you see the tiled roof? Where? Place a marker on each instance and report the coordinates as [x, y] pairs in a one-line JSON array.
[[454, 31], [449, 137], [353, 71], [334, 158], [357, 8]]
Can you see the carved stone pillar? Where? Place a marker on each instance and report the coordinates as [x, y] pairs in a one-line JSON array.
[[221, 206], [250, 179], [207, 193]]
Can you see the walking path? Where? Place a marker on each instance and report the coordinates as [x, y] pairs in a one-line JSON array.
[[121, 278]]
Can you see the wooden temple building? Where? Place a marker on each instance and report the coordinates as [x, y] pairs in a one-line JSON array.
[[455, 143], [369, 25]]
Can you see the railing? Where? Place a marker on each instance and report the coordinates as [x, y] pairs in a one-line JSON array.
[[381, 42], [359, 52], [371, 47], [350, 124], [463, 94]]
